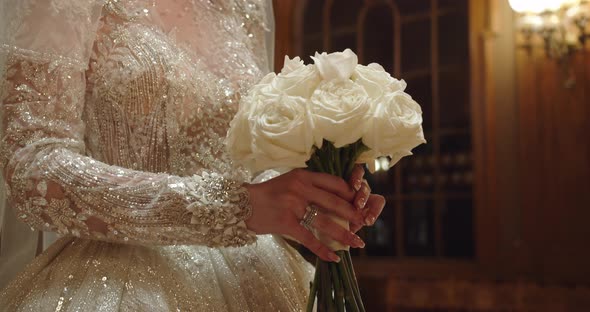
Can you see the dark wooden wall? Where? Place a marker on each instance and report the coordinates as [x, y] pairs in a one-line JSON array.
[[554, 158]]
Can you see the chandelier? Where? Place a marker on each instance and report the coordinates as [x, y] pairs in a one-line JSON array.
[[561, 24]]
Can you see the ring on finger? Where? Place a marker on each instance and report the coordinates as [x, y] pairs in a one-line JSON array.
[[310, 213]]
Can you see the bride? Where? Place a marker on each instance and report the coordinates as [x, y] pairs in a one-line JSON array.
[[114, 114]]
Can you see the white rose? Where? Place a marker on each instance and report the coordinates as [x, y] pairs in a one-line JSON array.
[[340, 111], [281, 131], [266, 80], [297, 80], [239, 136], [261, 87], [238, 141], [291, 64], [395, 128], [368, 158], [376, 80], [337, 65]]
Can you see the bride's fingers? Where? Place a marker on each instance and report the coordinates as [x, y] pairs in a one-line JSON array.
[[326, 225], [375, 205], [338, 206], [373, 209], [354, 228], [361, 197], [313, 244], [356, 177], [332, 184]]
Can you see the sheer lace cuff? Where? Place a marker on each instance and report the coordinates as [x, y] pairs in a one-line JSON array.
[[219, 208]]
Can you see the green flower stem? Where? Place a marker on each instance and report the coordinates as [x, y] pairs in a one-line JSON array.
[[332, 152], [355, 153], [338, 288], [321, 306], [329, 293], [347, 282], [317, 163], [348, 306], [351, 305], [314, 287], [346, 155], [325, 298], [327, 286], [357, 293], [337, 164], [325, 157]]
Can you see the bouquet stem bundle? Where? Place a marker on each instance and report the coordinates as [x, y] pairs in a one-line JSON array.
[[336, 100], [335, 285]]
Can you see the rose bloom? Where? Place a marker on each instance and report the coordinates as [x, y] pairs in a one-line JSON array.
[[282, 133], [340, 111], [239, 137], [395, 128], [290, 65], [297, 79], [271, 130], [376, 80], [337, 65]]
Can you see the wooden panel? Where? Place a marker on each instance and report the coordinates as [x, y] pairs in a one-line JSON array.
[[529, 160], [483, 295], [483, 123], [284, 30], [555, 166]]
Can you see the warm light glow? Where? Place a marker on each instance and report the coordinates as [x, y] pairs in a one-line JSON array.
[[551, 21], [562, 24], [581, 10], [377, 165], [382, 164], [536, 6], [532, 22], [573, 2]]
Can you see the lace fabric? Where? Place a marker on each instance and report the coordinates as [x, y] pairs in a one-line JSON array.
[[114, 114]]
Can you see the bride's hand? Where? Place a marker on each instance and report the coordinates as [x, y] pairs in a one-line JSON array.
[[279, 204], [370, 204]]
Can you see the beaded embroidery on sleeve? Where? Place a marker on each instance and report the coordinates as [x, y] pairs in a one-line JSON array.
[[53, 179]]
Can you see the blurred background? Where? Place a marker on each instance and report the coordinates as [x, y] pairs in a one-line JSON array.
[[493, 214]]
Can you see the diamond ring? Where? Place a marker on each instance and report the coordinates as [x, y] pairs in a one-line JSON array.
[[310, 213]]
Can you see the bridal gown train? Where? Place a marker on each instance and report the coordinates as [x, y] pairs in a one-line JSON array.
[[114, 115]]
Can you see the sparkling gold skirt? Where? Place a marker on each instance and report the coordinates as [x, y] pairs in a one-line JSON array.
[[86, 275]]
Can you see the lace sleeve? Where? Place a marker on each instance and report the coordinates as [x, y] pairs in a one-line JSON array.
[[49, 180]]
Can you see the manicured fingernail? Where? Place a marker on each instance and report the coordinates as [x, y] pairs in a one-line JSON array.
[[357, 241], [369, 220], [334, 257], [367, 190], [361, 202], [360, 219], [357, 184]]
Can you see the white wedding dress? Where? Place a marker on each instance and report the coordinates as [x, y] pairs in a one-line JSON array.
[[114, 116]]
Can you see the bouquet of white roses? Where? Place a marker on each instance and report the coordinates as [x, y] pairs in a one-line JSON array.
[[326, 117]]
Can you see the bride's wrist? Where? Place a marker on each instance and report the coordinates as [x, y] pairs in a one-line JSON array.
[[253, 222]]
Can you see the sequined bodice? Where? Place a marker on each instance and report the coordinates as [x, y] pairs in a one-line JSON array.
[[157, 104], [115, 113]]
